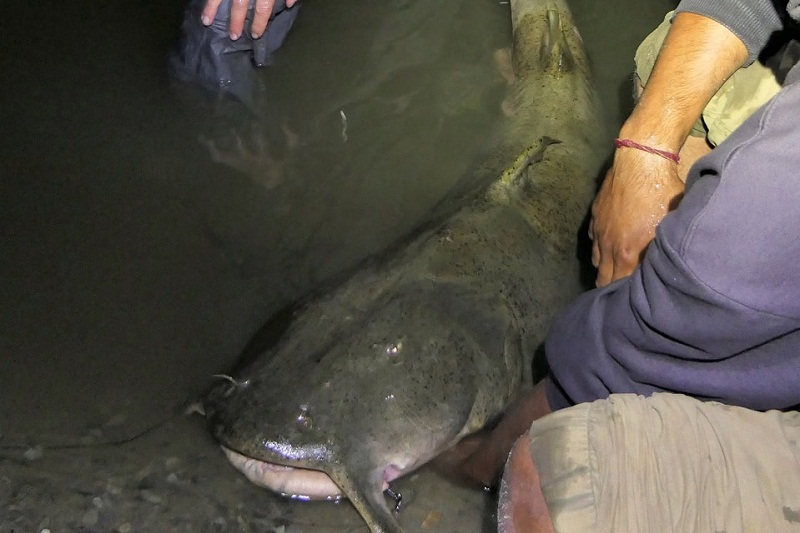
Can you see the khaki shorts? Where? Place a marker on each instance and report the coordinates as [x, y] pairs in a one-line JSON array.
[[668, 463], [744, 92]]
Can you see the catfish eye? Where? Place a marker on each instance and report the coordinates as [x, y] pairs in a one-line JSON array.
[[304, 422]]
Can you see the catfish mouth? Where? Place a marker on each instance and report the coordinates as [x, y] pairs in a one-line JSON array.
[[289, 481], [294, 482]]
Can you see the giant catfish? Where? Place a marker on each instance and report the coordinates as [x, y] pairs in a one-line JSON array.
[[408, 356]]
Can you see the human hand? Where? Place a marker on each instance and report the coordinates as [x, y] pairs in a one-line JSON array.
[[475, 460], [637, 192], [263, 11], [480, 458]]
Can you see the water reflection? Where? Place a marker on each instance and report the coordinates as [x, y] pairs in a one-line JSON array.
[[358, 135], [135, 265]]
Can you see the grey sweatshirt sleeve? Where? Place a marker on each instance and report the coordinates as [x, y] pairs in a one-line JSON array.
[[753, 21], [713, 311]]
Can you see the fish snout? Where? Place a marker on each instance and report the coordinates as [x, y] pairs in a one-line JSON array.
[[221, 394]]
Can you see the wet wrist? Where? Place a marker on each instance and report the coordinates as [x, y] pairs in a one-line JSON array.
[[658, 125], [654, 136]]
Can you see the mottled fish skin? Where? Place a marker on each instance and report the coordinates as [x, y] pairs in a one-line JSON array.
[[405, 358]]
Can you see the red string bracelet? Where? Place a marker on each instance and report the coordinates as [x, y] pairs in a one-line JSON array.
[[619, 143]]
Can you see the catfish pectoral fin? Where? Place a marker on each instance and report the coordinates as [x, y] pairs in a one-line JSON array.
[[367, 497]]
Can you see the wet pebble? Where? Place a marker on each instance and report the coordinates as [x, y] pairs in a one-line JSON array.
[[146, 482], [13, 513], [113, 489], [115, 420], [125, 528], [431, 519], [34, 453], [220, 524], [90, 517], [150, 497], [172, 478]]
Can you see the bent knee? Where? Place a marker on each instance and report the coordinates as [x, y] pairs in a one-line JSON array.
[[522, 508]]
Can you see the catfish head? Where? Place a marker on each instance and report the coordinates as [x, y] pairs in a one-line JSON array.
[[349, 401]]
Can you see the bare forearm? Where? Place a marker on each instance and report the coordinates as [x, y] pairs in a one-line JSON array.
[[698, 56], [519, 416]]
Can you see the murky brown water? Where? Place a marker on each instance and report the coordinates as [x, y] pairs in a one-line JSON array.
[[133, 266]]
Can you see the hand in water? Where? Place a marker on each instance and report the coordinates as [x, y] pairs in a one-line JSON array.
[[263, 11], [480, 458], [637, 192], [476, 460]]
